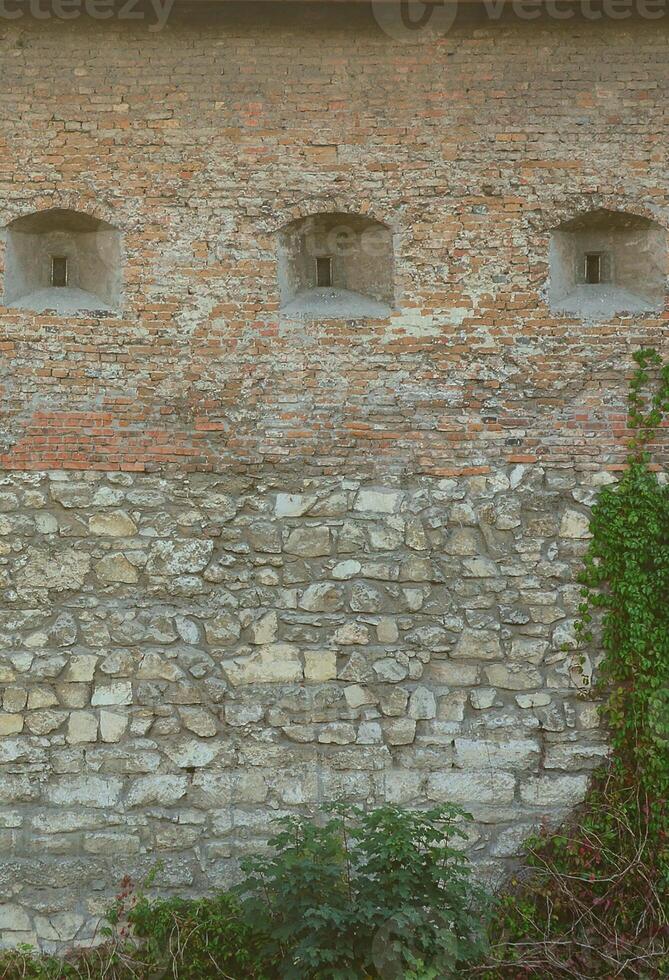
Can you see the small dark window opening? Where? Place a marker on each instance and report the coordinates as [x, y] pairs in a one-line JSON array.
[[58, 270], [593, 268], [324, 270]]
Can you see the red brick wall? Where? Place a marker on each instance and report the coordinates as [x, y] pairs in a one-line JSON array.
[[200, 140]]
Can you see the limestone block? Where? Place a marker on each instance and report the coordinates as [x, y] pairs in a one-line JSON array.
[[265, 537], [309, 542], [188, 753], [472, 787], [112, 726], [116, 569], [378, 501], [365, 598], [537, 700], [477, 645], [82, 727], [480, 568], [513, 677], [338, 733], [14, 699], [322, 597], [112, 524], [527, 649], [13, 918], [58, 926], [118, 692], [560, 791], [521, 753], [483, 697], [223, 630], [357, 696], [320, 665], [575, 524], [66, 570], [179, 557], [238, 715], [265, 629], [277, 663], [161, 790], [10, 724], [399, 731], [113, 844], [43, 722], [346, 569], [402, 786], [93, 791], [80, 668], [199, 720], [386, 630], [293, 504], [422, 704], [388, 669], [351, 634], [576, 756], [464, 541]]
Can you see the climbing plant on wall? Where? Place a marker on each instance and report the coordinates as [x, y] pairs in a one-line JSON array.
[[598, 902]]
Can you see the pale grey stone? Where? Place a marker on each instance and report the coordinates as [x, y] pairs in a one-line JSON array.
[[496, 787], [478, 645], [179, 557], [157, 790], [62, 572], [513, 677], [575, 757], [238, 715], [264, 629], [561, 791], [378, 501], [399, 731], [112, 524], [116, 568], [390, 670], [483, 697], [118, 692], [13, 918], [10, 724], [338, 733], [293, 504], [112, 726], [309, 542], [537, 700], [422, 704], [575, 525], [322, 597], [93, 791], [488, 754], [346, 569], [356, 696], [273, 664], [320, 665], [199, 721], [82, 727]]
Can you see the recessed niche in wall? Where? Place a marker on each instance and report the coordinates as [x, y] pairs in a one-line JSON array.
[[63, 261], [605, 263], [336, 265]]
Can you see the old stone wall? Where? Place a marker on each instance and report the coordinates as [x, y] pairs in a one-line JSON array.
[[252, 563], [184, 659]]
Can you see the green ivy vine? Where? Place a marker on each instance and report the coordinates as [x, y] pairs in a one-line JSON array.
[[626, 582], [598, 903]]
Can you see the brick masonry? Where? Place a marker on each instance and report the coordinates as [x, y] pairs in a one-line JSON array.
[[252, 564]]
